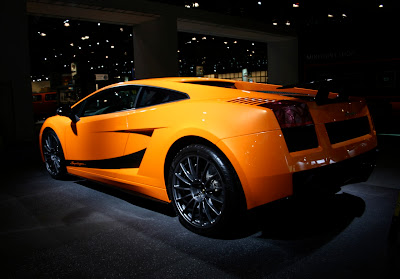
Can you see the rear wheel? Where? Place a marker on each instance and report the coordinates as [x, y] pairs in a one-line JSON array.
[[53, 155], [204, 189]]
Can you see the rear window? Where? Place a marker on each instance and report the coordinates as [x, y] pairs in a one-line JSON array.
[[150, 96]]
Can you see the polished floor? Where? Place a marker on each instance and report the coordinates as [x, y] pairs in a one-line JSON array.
[[80, 229]]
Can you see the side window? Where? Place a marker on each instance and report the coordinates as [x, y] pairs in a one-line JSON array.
[[77, 108], [150, 96], [111, 100]]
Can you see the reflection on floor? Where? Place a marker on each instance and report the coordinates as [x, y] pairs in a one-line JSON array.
[[76, 228]]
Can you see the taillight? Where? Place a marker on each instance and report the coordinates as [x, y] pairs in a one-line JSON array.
[[290, 113]]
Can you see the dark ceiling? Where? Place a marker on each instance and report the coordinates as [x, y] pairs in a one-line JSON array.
[[332, 35]]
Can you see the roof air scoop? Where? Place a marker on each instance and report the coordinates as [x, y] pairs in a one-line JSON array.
[[322, 95]]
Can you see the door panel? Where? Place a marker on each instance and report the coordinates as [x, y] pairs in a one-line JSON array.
[[97, 141], [97, 138]]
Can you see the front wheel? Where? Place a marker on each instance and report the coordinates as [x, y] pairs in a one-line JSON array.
[[53, 155], [204, 189]]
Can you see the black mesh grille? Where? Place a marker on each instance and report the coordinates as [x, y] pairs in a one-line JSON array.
[[348, 129], [300, 138]]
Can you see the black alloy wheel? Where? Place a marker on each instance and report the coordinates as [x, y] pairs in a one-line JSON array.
[[204, 189], [53, 155]]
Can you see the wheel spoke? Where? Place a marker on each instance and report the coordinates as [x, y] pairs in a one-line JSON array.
[[192, 172], [183, 179], [185, 171], [193, 209], [197, 166], [181, 188], [57, 164], [214, 198], [184, 197], [200, 214], [207, 212], [210, 205], [204, 173], [48, 145]]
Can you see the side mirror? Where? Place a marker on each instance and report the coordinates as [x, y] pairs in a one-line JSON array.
[[65, 110]]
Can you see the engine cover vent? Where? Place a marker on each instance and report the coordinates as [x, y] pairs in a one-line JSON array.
[[251, 101]]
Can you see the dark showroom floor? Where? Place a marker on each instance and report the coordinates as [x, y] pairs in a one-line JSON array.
[[80, 229]]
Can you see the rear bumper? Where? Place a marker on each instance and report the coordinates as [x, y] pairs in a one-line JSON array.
[[328, 178], [268, 172]]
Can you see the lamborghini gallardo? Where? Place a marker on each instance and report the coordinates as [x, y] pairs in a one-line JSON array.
[[212, 147]]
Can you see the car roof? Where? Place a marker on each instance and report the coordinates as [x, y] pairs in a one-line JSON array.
[[199, 88]]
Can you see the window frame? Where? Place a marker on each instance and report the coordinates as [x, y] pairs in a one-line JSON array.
[[80, 107]]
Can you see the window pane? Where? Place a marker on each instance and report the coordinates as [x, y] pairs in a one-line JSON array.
[[37, 98], [153, 96], [111, 100]]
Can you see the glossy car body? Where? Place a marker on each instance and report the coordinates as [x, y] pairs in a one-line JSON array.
[[272, 155]]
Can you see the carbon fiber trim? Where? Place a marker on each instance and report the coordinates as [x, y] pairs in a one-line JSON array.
[[124, 162]]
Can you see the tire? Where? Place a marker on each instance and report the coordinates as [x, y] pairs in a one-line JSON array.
[[53, 155], [204, 189]]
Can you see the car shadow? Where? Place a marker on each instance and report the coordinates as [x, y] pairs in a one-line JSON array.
[[130, 197], [319, 218], [301, 218]]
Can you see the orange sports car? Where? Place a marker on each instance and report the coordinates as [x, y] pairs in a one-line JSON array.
[[211, 147]]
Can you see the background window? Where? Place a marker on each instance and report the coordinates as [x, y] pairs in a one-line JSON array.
[[37, 98]]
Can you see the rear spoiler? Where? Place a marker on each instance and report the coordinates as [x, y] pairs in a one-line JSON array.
[[323, 91]]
